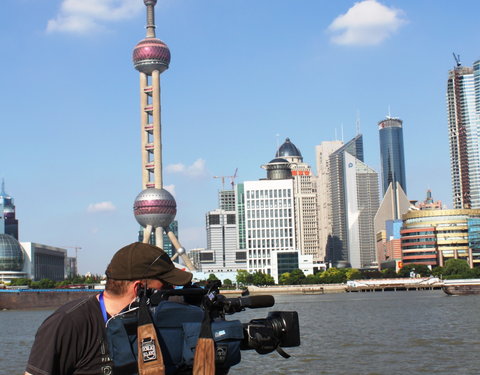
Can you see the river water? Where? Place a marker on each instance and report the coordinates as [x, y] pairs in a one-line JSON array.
[[389, 333]]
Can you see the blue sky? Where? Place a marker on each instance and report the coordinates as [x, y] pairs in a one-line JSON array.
[[244, 75]]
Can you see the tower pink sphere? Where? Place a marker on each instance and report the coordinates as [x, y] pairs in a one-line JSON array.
[[155, 207], [151, 54]]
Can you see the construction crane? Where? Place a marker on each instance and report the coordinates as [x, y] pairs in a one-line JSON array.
[[457, 59], [231, 177]]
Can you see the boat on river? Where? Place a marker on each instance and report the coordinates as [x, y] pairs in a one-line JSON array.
[[461, 287]]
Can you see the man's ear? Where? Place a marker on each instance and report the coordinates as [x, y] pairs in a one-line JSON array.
[[137, 285]]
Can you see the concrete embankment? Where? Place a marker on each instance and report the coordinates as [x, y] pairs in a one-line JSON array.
[[16, 299], [373, 285], [290, 289]]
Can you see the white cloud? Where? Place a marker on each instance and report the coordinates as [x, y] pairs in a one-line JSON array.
[[85, 16], [197, 169], [366, 23], [176, 168], [101, 207]]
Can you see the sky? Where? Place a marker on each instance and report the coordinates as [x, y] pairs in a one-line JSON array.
[[244, 75]]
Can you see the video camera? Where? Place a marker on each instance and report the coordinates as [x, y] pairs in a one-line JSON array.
[[280, 329], [178, 326]]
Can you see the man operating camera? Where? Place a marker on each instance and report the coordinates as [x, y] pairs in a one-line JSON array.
[[73, 340]]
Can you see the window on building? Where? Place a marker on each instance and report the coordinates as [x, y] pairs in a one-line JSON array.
[[214, 219]]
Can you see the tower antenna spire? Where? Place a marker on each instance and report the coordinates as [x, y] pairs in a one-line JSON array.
[[150, 17], [358, 123], [3, 187]]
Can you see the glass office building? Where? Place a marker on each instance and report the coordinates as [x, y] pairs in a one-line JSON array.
[[463, 107], [391, 153], [355, 201]]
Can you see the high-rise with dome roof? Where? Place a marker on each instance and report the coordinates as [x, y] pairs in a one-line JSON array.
[[305, 197]]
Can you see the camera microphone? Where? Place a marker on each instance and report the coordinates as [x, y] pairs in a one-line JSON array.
[[252, 302]]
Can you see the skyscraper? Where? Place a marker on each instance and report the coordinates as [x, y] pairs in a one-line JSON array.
[[8, 221], [463, 106], [391, 153], [394, 201], [222, 253], [324, 201], [305, 197], [355, 200]]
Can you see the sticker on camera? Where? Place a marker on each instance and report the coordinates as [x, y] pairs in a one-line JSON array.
[[149, 352]]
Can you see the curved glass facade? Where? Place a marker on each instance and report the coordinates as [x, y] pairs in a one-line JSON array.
[[391, 153], [11, 254]]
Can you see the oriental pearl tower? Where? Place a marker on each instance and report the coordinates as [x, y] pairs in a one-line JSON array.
[[154, 208]]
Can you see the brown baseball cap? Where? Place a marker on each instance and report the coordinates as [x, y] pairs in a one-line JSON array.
[[140, 260]]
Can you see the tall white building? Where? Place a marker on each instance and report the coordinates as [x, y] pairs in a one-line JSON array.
[[463, 106], [269, 222], [324, 199], [305, 195], [355, 201]]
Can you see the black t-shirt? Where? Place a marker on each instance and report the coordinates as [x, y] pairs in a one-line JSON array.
[[71, 341]]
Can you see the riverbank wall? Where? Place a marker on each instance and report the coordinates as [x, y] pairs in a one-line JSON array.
[[18, 299], [372, 285]]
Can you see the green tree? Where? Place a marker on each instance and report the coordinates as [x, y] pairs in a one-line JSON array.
[[212, 277], [284, 279], [419, 269], [458, 268], [333, 276], [258, 278], [297, 277], [312, 279], [353, 274], [388, 273], [269, 280], [437, 271], [43, 284], [22, 281], [244, 277], [227, 283]]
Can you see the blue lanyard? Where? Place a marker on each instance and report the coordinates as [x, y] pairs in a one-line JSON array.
[[102, 307]]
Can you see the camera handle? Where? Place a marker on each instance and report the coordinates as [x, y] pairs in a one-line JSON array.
[[204, 359], [150, 359]]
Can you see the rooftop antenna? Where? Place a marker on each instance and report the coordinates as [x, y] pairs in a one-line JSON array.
[[357, 123], [3, 187], [457, 59], [389, 114]]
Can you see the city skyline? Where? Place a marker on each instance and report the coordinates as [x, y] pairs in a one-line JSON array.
[[242, 74]]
